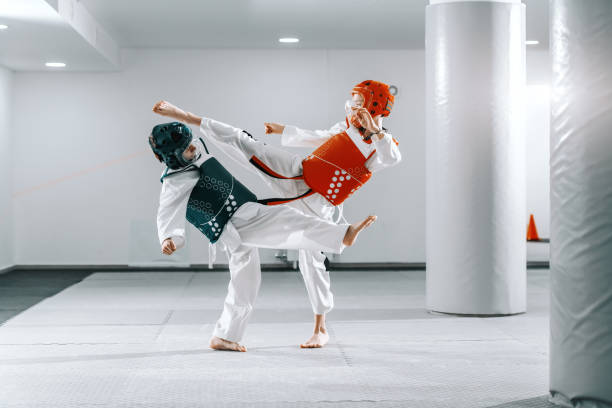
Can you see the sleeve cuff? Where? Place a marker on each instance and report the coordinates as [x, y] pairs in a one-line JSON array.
[[179, 242], [203, 124], [288, 135], [177, 235], [387, 138]]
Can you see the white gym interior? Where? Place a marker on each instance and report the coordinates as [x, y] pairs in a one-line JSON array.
[[443, 302]]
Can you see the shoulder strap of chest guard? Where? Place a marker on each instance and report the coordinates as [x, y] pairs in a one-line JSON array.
[[191, 167]]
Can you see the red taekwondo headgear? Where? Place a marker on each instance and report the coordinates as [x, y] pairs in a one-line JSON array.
[[378, 100]]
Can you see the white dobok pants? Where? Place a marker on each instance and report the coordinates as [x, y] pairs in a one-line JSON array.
[[241, 147], [256, 225]]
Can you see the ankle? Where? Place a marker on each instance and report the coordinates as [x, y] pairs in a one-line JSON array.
[[319, 330]]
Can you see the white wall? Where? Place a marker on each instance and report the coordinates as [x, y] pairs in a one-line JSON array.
[[68, 211], [83, 174], [6, 138], [538, 150]]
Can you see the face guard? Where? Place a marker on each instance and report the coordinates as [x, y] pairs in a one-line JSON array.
[[168, 142], [350, 106], [192, 153]]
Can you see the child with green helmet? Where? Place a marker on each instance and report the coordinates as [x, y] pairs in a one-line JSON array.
[[197, 188]]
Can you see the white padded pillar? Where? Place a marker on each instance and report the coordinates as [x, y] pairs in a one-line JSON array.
[[581, 203], [475, 225]]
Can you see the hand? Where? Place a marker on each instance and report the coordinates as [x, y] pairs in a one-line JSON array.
[[168, 246], [165, 108], [274, 128], [362, 117]]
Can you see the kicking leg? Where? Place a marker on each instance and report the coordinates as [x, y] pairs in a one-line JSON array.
[[284, 227], [241, 293], [280, 169], [354, 229]]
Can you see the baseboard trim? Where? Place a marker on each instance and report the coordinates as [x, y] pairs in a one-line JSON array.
[[334, 266], [131, 268], [7, 269], [218, 267], [538, 265], [385, 266]]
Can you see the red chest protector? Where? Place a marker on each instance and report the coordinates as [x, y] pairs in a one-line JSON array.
[[336, 169]]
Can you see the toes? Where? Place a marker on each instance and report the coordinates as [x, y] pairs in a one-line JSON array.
[[234, 347], [228, 347], [310, 345], [221, 344]]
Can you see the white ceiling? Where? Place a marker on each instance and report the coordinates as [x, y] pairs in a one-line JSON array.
[[259, 23], [38, 32]]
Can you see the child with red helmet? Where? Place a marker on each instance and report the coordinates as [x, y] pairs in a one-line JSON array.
[[364, 146]]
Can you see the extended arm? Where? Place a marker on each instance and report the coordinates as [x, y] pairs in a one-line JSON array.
[[296, 137], [165, 108]]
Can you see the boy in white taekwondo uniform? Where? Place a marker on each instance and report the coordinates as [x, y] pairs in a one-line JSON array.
[[197, 187], [345, 158]]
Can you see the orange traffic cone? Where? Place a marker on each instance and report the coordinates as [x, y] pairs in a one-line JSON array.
[[532, 231]]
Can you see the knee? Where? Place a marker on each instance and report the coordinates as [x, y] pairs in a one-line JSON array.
[[312, 261]]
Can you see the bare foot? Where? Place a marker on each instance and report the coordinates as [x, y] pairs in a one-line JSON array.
[[354, 230], [218, 343], [317, 340]]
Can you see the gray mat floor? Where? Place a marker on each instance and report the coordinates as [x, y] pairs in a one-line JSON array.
[[140, 340]]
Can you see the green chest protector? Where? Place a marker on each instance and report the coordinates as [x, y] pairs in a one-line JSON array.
[[215, 198]]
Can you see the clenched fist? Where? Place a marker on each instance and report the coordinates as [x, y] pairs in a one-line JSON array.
[[274, 128], [164, 108], [168, 246], [362, 117]]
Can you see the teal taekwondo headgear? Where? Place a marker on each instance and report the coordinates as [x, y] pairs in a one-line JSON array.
[[169, 141]]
